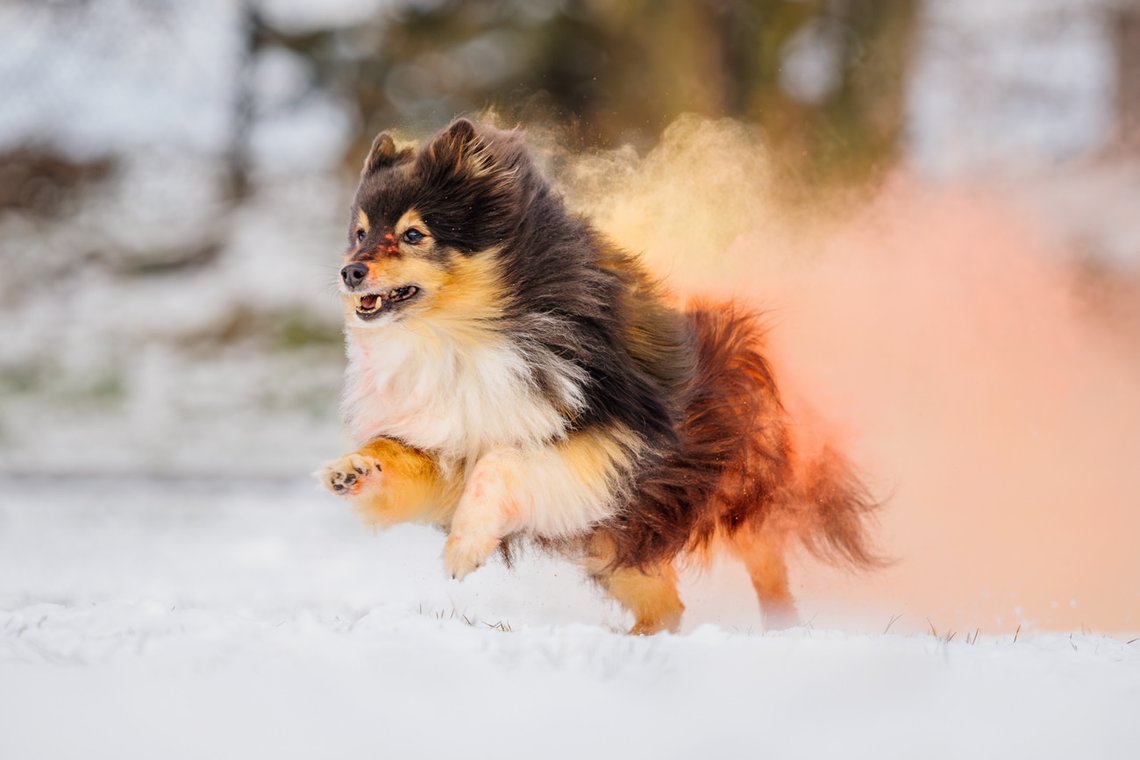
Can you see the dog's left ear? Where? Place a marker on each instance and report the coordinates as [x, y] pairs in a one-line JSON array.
[[457, 146], [461, 132], [383, 154]]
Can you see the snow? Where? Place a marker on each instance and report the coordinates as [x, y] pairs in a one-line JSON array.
[[179, 617]]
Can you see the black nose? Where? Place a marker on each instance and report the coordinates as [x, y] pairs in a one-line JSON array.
[[354, 274]]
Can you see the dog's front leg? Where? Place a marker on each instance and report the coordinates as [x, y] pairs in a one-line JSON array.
[[557, 491], [389, 482], [488, 511]]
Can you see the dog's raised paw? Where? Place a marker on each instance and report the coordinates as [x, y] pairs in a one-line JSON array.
[[350, 475]]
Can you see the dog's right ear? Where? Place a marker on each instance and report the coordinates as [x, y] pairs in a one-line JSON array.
[[383, 154]]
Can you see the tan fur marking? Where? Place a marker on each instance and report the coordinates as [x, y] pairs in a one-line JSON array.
[[362, 221], [460, 300], [459, 305], [412, 488], [411, 218], [468, 296], [597, 457]]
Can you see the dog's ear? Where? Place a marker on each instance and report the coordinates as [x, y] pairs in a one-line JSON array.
[[457, 146], [383, 154], [461, 131]]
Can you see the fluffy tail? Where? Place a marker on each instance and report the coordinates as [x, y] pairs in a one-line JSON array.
[[765, 482], [839, 506]]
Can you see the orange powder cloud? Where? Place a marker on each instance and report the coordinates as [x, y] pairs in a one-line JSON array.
[[940, 337]]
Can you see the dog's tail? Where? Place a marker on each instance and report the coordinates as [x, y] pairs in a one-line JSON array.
[[736, 415], [839, 507]]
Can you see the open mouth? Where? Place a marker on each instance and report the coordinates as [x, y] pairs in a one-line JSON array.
[[372, 305]]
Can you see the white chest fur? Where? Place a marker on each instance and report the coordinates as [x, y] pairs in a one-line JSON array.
[[459, 398]]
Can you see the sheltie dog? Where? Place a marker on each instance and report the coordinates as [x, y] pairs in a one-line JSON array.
[[514, 376]]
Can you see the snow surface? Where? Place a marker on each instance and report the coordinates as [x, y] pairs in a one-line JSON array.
[[182, 618]]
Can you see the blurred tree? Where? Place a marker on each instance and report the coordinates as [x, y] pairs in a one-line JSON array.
[[1128, 74]]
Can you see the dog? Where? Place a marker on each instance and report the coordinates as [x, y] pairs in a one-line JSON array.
[[514, 376]]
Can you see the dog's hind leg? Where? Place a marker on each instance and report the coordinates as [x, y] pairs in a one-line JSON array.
[[762, 552], [649, 593]]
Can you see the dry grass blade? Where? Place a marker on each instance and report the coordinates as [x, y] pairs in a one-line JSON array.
[[502, 625], [893, 620]]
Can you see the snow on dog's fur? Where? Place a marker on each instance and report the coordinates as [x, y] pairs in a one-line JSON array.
[[514, 376]]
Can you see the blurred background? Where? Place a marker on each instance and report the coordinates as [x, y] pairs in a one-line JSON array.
[[175, 174]]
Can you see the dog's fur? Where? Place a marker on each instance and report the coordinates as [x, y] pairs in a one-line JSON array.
[[513, 375]]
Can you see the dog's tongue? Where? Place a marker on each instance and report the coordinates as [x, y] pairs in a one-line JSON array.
[[368, 302]]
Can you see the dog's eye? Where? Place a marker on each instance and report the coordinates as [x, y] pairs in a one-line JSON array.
[[360, 235], [413, 236]]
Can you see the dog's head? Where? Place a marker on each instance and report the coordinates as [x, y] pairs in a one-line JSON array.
[[426, 225]]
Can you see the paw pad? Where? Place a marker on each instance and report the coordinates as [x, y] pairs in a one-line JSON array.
[[347, 476]]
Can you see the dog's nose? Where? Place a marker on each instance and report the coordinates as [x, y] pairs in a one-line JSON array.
[[354, 274]]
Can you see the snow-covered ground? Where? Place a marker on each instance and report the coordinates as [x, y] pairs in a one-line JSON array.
[[183, 618]]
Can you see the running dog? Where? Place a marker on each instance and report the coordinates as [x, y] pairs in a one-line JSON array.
[[514, 376]]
